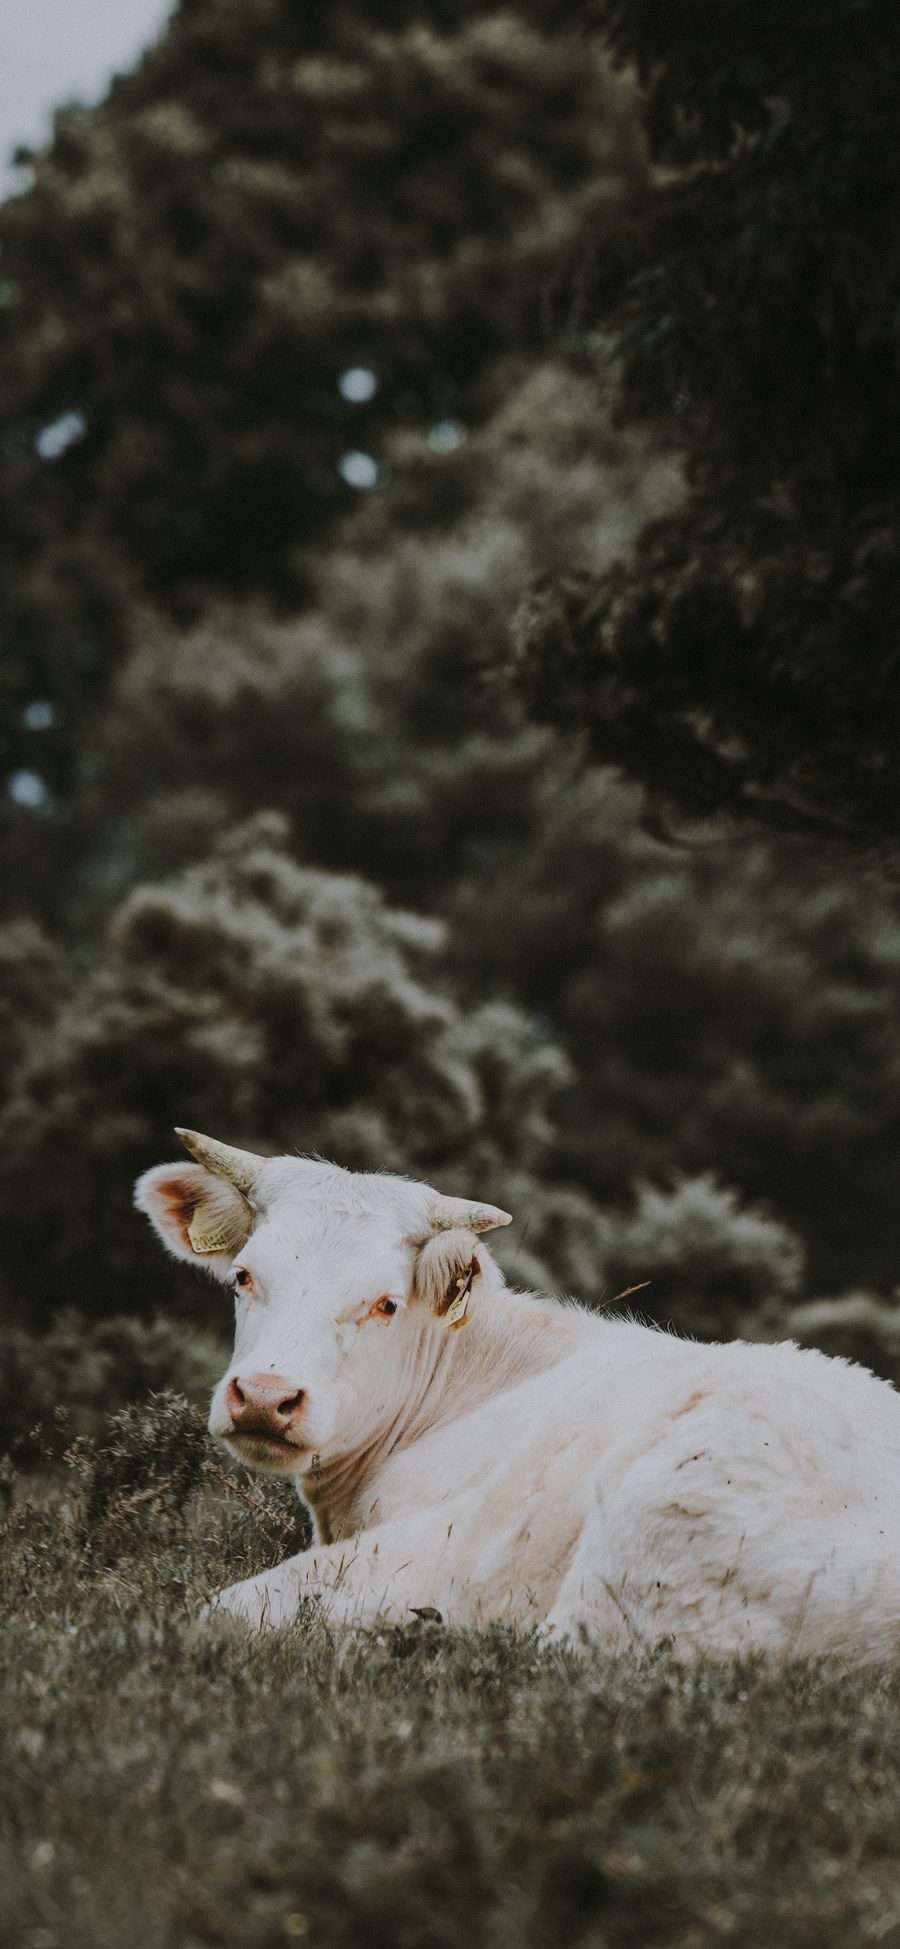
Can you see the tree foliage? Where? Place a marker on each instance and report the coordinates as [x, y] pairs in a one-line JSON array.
[[747, 657], [293, 1009], [726, 1007], [305, 872], [277, 195], [367, 719]]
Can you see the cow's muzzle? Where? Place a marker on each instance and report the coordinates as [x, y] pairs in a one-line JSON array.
[[265, 1405]]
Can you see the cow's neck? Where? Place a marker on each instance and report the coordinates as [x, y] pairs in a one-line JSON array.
[[507, 1338]]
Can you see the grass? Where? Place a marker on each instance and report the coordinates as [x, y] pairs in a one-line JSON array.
[[167, 1782]]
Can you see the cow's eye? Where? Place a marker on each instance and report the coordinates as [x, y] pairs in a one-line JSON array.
[[243, 1278], [383, 1308]]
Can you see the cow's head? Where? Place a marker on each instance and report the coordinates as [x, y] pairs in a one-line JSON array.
[[342, 1284]]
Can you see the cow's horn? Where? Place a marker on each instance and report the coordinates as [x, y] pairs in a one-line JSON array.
[[240, 1167], [447, 1213]]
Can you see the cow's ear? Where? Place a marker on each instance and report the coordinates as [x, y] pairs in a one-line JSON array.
[[198, 1215], [441, 1265]]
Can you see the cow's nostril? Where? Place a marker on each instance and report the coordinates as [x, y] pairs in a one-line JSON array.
[[260, 1402]]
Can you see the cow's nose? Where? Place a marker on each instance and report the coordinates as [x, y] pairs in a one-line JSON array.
[[264, 1403]]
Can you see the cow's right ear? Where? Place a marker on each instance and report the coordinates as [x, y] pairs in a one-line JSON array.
[[198, 1215]]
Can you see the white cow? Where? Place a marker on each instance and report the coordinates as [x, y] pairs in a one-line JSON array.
[[485, 1453]]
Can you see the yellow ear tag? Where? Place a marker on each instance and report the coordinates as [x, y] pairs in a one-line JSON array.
[[206, 1241], [457, 1312]]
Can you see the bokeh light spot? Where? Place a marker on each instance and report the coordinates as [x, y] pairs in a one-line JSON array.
[[446, 436], [27, 788], [358, 384], [359, 470], [39, 715], [55, 439]]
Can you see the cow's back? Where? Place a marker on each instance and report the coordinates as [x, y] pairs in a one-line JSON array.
[[746, 1492]]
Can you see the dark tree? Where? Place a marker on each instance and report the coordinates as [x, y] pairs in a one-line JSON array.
[[280, 194], [749, 656]]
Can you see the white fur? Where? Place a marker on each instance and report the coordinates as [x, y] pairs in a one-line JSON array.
[[546, 1465]]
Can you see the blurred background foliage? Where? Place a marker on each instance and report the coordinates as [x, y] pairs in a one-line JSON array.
[[447, 486], [748, 659]]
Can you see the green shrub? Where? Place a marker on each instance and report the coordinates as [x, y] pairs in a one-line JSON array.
[[62, 1384], [706, 1259], [856, 1326], [152, 1453], [154, 1461]]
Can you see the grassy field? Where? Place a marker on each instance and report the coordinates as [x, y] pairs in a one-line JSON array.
[[170, 1782]]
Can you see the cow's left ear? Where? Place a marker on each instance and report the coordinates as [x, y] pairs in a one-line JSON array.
[[199, 1216], [442, 1266]]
